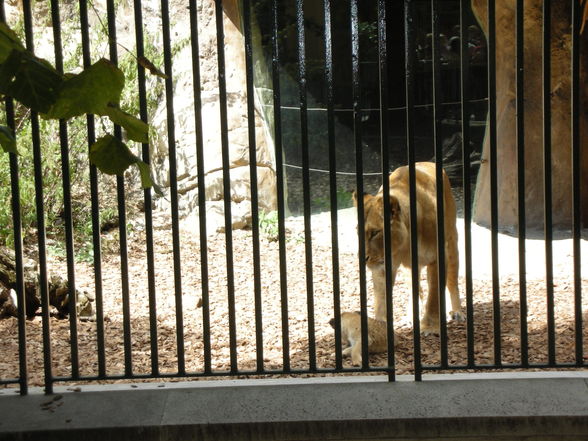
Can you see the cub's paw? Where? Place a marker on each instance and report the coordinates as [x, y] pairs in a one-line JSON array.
[[457, 316]]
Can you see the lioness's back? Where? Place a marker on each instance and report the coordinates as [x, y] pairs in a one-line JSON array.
[[426, 190]]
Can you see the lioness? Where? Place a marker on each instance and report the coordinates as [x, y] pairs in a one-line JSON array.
[[351, 335], [427, 239]]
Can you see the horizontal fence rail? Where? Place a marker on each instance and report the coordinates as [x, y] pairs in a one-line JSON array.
[[250, 262]]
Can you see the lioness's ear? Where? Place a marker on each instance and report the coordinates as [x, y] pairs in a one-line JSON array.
[[366, 197], [394, 207]]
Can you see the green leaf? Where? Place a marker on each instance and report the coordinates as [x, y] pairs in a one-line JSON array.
[[136, 129], [9, 68], [7, 140], [9, 41], [111, 155], [146, 179], [89, 92], [30, 80]]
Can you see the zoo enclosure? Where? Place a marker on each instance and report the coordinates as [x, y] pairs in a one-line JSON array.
[[412, 68]]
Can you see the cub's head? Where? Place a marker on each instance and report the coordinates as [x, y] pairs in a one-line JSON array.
[[373, 207], [350, 326]]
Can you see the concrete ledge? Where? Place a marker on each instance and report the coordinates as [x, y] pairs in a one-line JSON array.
[[448, 407]]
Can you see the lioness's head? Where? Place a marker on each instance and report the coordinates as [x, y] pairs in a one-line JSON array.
[[373, 207]]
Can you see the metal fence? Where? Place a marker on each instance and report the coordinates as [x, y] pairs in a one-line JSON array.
[[493, 328]]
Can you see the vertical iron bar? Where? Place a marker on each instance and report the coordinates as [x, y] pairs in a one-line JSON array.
[[438, 145], [520, 123], [493, 160], [547, 182], [122, 218], [409, 42], [280, 184], [333, 182], [65, 172], [97, 261], [201, 186], [41, 238], [171, 142], [18, 258], [383, 92], [139, 41], [305, 180], [576, 189], [18, 248], [253, 179], [17, 230], [84, 27], [356, 94], [467, 194], [222, 87]]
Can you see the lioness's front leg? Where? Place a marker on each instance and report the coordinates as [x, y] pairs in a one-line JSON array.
[[379, 281], [430, 320]]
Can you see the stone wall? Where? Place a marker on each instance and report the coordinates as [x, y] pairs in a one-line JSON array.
[[238, 132]]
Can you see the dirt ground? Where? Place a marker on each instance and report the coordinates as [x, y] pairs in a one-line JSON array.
[[320, 279]]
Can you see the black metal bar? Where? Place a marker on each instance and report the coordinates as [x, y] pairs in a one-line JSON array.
[[84, 28], [122, 218], [222, 87], [18, 247], [493, 161], [280, 184], [201, 186], [438, 145], [333, 181], [139, 41], [576, 179], [173, 175], [467, 193], [305, 179], [547, 181], [520, 124], [41, 238], [504, 367], [375, 369], [383, 92], [253, 180], [409, 45], [67, 210], [356, 96], [18, 254], [18, 258]]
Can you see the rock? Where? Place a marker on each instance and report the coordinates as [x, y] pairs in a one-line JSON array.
[[237, 124], [215, 217]]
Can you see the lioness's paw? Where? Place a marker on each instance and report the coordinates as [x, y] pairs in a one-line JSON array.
[[429, 326], [457, 316]]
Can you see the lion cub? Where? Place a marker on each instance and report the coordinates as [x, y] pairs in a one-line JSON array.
[[351, 335]]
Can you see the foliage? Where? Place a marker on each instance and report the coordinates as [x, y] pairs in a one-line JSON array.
[[96, 90], [77, 143], [268, 225]]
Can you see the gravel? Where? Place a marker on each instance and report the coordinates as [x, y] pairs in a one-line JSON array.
[[303, 288]]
